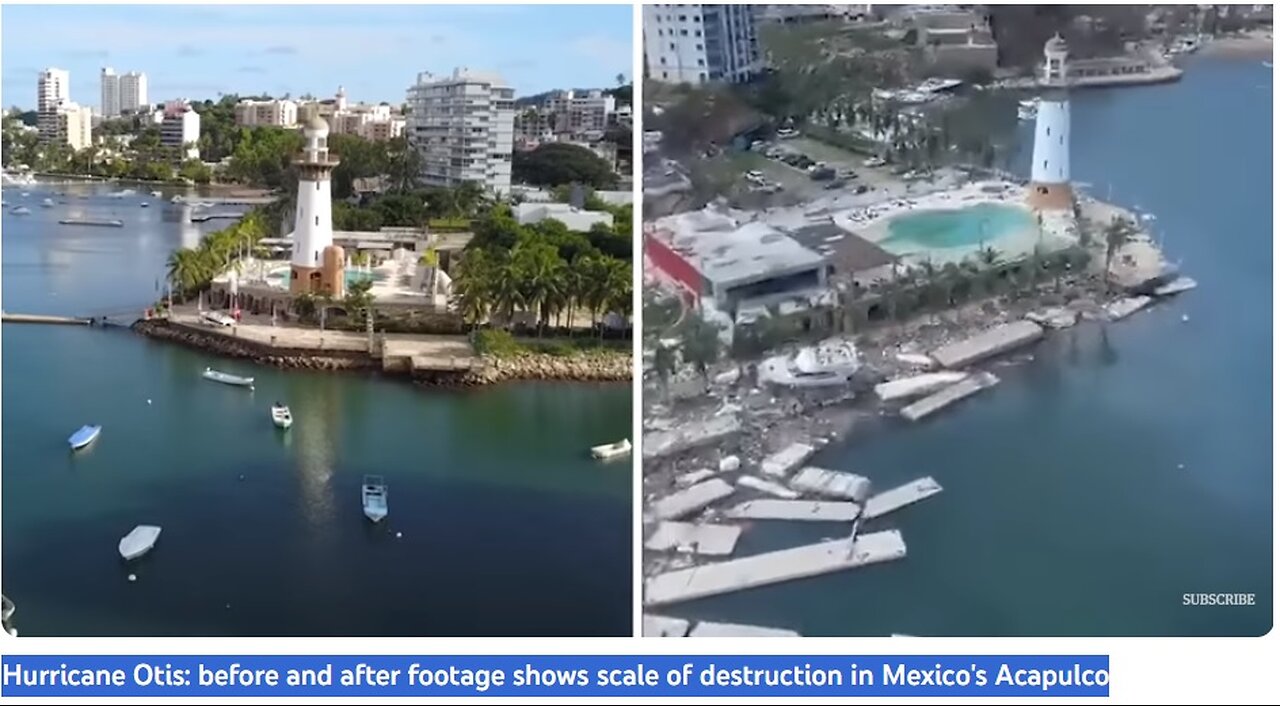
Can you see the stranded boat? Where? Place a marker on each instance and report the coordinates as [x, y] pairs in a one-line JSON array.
[[606, 452], [373, 495], [226, 378], [1027, 109], [139, 541], [828, 363], [281, 416], [84, 436]]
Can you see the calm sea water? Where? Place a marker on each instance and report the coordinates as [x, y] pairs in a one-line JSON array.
[[1094, 487], [500, 524]]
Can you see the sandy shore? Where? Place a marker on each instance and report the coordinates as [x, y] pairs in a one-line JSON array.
[[1256, 44]]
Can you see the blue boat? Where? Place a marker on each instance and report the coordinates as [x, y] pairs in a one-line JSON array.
[[84, 436]]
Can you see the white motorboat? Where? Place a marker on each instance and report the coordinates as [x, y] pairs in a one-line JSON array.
[[84, 436], [281, 416], [606, 452], [144, 204], [47, 203], [373, 495], [832, 362], [156, 194], [139, 541], [226, 378], [177, 199], [20, 211]]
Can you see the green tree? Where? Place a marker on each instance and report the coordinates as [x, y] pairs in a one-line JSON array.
[[559, 163], [1119, 232]]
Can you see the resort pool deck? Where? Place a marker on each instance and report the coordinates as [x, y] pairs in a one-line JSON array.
[[951, 226]]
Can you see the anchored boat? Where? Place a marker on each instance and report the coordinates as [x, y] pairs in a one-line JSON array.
[[226, 378], [281, 416], [373, 495], [606, 452], [139, 541], [84, 436]]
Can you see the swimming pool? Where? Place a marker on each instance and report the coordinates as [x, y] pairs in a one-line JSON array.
[[282, 276], [950, 229]]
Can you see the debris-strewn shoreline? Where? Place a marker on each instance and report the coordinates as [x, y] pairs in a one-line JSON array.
[[599, 366]]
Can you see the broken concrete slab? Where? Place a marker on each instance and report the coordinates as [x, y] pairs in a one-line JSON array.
[[900, 497], [949, 395], [706, 629], [786, 460], [690, 538], [765, 486], [1177, 286], [693, 477], [662, 626], [691, 499], [1122, 308], [993, 341], [917, 385], [683, 437], [832, 484], [1054, 317], [730, 463], [800, 510]]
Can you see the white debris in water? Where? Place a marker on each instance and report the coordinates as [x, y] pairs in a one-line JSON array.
[[730, 464], [1185, 318], [399, 535], [133, 577], [148, 400]]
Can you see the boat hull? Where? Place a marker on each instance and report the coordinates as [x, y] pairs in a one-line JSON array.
[[138, 542], [84, 437]]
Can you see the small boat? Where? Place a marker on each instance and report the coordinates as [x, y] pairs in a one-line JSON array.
[[20, 211], [84, 436], [226, 378], [106, 222], [281, 415], [144, 204], [373, 495], [139, 541], [606, 452], [176, 199], [47, 203], [156, 194]]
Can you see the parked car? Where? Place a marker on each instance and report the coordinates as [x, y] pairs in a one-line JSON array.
[[836, 184], [822, 174], [787, 133], [755, 175], [862, 189]]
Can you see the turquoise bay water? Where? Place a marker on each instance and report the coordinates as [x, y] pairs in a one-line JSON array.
[[500, 523], [1124, 467], [954, 228]]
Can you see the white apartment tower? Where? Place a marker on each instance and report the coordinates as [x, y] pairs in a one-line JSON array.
[[277, 113], [697, 44], [53, 90], [180, 129], [110, 103], [463, 126], [133, 92]]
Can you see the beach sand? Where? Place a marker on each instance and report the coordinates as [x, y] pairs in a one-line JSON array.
[[1254, 44]]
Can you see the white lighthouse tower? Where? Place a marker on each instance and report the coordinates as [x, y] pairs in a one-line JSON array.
[[317, 264], [1050, 188]]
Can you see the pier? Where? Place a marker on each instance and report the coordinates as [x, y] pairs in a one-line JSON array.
[[800, 510], [691, 499], [773, 567], [44, 319], [993, 341], [1123, 308], [216, 216], [900, 497], [706, 539], [657, 444], [950, 395]]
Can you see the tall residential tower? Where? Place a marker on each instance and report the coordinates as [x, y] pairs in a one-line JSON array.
[[697, 44], [463, 125]]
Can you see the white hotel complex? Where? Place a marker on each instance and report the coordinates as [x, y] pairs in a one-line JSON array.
[[123, 94], [58, 119], [697, 44], [463, 126]]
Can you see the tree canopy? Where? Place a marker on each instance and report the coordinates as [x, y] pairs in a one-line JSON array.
[[559, 163]]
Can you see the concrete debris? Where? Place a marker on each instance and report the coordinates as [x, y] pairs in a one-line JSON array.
[[692, 499], [694, 477], [662, 626], [993, 341], [833, 484], [1177, 286], [799, 510], [786, 460], [917, 385], [689, 538], [730, 463], [900, 497], [690, 435], [1128, 306], [916, 360], [1054, 317], [949, 395], [767, 487]]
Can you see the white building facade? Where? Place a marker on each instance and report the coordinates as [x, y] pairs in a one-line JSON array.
[[180, 129], [463, 126], [697, 44], [273, 113], [110, 88], [133, 92]]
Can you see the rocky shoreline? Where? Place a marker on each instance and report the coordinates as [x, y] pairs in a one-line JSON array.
[[586, 367]]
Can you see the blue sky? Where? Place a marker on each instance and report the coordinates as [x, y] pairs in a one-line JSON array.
[[374, 51]]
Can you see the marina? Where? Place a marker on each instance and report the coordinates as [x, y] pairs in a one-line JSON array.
[[773, 567]]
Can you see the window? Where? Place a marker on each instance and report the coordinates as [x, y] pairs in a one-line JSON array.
[[697, 33], [1048, 131], [664, 74], [698, 47], [1046, 164], [701, 63], [317, 217], [662, 60], [684, 33], [683, 18], [702, 76], [673, 46], [317, 186]]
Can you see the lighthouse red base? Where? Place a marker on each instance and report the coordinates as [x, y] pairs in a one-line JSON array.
[[1049, 197]]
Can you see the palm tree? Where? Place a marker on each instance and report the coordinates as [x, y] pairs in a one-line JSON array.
[[541, 271], [1118, 232], [617, 297], [664, 364], [506, 292]]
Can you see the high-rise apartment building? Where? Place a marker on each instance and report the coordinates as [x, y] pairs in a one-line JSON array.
[[277, 113], [109, 106], [463, 126], [53, 89], [133, 92], [697, 44]]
